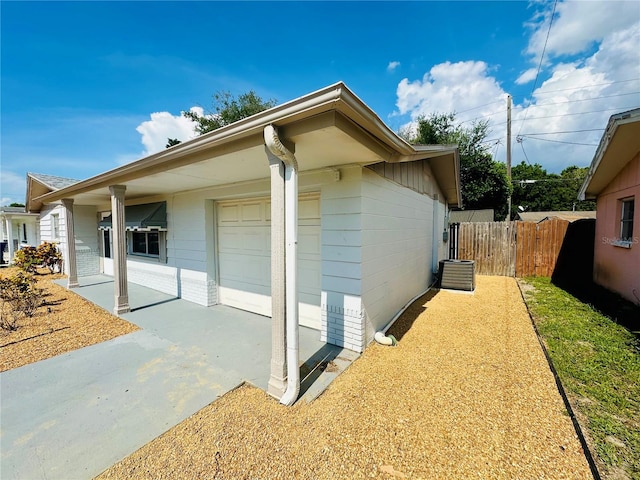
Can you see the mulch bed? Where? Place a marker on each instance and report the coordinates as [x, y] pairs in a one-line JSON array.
[[64, 323], [467, 393]]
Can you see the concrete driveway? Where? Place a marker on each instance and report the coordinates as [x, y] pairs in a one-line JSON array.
[[74, 415]]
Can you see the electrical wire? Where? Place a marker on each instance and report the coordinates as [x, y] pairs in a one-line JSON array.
[[587, 86], [564, 131], [519, 139], [535, 82], [577, 113], [558, 141], [582, 100]]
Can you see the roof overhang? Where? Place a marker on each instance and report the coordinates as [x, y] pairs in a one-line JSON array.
[[620, 143], [328, 128]]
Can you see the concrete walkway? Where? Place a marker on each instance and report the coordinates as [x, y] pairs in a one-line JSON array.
[[72, 416]]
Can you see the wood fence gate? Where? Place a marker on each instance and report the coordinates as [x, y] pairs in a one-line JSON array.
[[509, 248]]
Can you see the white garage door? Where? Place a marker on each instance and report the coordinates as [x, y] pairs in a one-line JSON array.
[[244, 256]]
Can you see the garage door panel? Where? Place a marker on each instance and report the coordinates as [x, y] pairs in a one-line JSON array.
[[238, 268], [244, 257]]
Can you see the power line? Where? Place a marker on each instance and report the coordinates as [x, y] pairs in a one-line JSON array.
[[557, 141], [582, 100], [479, 106], [577, 113], [587, 86], [564, 131], [535, 82], [519, 139]]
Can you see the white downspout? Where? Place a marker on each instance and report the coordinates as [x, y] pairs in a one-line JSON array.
[[273, 143]]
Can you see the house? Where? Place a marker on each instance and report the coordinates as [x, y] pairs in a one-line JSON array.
[[17, 229], [219, 219], [569, 216], [614, 182], [466, 216]]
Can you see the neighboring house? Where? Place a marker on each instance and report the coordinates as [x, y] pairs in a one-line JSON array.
[[569, 216], [17, 229], [51, 217], [466, 216], [614, 181], [205, 220]]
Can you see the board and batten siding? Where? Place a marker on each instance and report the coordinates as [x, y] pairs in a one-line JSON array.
[[397, 248]]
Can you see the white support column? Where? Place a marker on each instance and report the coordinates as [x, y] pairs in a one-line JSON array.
[[278, 378], [71, 260], [119, 250], [10, 249]]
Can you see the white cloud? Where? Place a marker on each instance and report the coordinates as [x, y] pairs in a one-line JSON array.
[[164, 125], [527, 76], [574, 92], [392, 66], [13, 188], [450, 87], [578, 26]]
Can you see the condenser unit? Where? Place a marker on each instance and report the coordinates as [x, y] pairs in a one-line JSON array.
[[457, 275]]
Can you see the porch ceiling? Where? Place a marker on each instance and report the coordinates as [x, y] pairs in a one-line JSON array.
[[327, 140]]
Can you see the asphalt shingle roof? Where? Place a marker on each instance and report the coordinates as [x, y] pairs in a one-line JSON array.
[[53, 182]]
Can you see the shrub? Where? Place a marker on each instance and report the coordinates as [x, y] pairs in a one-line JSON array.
[[27, 259], [50, 257], [18, 297], [46, 255]]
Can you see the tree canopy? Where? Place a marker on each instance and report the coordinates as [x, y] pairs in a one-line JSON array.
[[227, 109], [535, 190], [484, 181]]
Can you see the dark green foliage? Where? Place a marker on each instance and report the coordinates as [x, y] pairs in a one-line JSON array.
[[172, 141], [227, 109], [549, 192], [484, 181]]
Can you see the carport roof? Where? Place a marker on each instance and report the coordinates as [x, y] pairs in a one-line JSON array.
[[328, 128]]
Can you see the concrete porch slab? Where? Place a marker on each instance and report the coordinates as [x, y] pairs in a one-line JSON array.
[[74, 415]]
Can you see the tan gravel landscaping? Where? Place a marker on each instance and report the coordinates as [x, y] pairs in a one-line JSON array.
[[66, 322], [467, 393]]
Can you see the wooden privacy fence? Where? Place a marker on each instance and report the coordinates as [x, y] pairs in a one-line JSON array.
[[509, 248]]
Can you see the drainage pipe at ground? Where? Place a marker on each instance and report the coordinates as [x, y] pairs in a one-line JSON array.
[[381, 336]]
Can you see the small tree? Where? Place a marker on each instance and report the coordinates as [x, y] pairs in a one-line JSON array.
[[227, 109], [484, 180]]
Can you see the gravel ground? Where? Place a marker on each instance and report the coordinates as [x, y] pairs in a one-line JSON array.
[[467, 393], [67, 322]]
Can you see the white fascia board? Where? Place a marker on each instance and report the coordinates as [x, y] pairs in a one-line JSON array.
[[334, 97], [615, 121]]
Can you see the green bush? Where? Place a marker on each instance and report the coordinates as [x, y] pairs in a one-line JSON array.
[[18, 297], [45, 255]]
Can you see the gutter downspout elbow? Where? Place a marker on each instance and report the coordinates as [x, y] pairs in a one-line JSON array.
[[276, 147]]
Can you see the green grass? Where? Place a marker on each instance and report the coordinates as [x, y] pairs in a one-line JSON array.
[[598, 362]]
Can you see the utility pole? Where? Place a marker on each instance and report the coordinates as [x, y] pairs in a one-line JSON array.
[[509, 154]]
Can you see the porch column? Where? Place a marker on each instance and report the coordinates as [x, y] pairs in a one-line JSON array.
[[277, 380], [10, 250], [119, 251], [72, 281]]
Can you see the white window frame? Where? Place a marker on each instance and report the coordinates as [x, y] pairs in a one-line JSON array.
[[55, 226], [626, 213], [162, 245]]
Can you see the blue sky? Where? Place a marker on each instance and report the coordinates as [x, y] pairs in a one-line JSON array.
[[88, 86]]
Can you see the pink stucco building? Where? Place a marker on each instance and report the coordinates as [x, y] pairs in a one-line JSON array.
[[614, 181]]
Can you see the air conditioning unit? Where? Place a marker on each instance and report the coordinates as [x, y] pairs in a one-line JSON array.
[[457, 275]]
